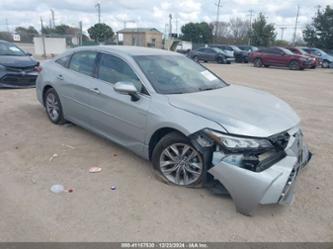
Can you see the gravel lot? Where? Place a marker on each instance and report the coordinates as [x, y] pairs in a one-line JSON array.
[[142, 207]]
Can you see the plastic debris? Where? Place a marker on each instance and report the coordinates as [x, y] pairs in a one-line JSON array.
[[68, 146], [70, 190], [53, 156], [57, 188], [113, 187], [95, 169]]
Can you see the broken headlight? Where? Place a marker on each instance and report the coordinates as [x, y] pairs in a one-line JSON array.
[[238, 144]]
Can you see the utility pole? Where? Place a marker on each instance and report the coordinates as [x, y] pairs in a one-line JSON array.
[[98, 6], [250, 29], [53, 19], [219, 5], [7, 25], [296, 23], [43, 36], [80, 38], [170, 25], [177, 26], [282, 32]]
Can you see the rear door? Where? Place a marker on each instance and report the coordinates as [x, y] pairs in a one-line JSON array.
[[78, 85], [119, 118]]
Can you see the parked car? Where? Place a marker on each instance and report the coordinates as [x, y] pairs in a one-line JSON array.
[[194, 127], [210, 54], [325, 58], [315, 61], [278, 56], [240, 55], [248, 48], [17, 68]]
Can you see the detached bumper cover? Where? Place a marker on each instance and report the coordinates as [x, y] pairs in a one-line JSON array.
[[274, 185]]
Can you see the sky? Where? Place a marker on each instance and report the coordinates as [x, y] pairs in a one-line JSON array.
[[155, 13]]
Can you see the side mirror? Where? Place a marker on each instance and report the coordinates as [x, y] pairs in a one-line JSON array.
[[28, 54], [127, 88]]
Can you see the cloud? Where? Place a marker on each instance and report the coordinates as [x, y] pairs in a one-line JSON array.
[[152, 13]]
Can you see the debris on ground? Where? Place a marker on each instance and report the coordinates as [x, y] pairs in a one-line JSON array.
[[53, 156], [95, 169], [68, 146], [57, 188], [115, 155], [70, 190], [113, 187]]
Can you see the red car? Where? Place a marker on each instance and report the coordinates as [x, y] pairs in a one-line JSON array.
[[315, 59], [281, 57]]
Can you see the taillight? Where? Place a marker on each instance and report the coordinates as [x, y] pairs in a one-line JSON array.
[[38, 69]]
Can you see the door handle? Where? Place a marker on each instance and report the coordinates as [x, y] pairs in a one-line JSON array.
[[95, 90], [60, 77]]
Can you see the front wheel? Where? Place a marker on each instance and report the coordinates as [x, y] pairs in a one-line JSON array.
[[53, 107], [178, 161], [294, 65], [220, 60], [257, 62]]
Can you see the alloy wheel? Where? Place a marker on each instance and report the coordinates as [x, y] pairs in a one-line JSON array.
[[181, 164], [52, 106]]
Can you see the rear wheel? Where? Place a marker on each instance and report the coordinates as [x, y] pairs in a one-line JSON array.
[[53, 107], [196, 58], [257, 62], [325, 64], [294, 65], [178, 161]]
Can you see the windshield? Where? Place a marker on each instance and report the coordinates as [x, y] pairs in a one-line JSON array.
[[174, 74], [235, 48], [10, 49], [287, 51], [218, 50]]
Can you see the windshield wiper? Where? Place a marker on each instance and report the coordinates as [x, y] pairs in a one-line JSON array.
[[208, 88]]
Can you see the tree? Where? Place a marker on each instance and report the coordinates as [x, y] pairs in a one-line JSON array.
[[26, 34], [281, 43], [262, 34], [320, 32], [100, 32], [197, 32], [239, 30]]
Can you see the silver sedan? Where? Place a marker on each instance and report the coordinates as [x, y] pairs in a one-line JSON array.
[[194, 127]]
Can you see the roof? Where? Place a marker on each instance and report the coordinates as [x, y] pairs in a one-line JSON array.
[[129, 50], [138, 30]]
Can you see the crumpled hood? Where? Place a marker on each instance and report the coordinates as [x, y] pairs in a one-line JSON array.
[[240, 110], [17, 61]]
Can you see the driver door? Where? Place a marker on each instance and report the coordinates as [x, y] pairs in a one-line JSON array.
[[119, 118]]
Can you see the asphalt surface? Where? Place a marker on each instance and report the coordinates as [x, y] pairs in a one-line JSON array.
[[142, 208]]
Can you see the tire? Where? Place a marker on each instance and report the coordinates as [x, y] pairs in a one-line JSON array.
[[257, 62], [173, 158], [53, 107], [266, 66], [220, 60], [294, 65], [325, 64], [195, 58]]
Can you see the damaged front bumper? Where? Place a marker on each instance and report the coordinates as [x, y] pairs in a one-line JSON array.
[[274, 185]]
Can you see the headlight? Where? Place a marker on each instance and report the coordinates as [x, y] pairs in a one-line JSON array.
[[234, 143]]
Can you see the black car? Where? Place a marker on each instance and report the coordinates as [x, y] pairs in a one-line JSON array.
[[240, 55], [17, 68], [210, 54]]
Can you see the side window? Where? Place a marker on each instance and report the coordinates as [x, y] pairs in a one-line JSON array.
[[63, 61], [84, 62], [113, 69]]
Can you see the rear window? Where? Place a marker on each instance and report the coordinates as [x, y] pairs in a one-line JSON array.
[[63, 61], [84, 62]]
